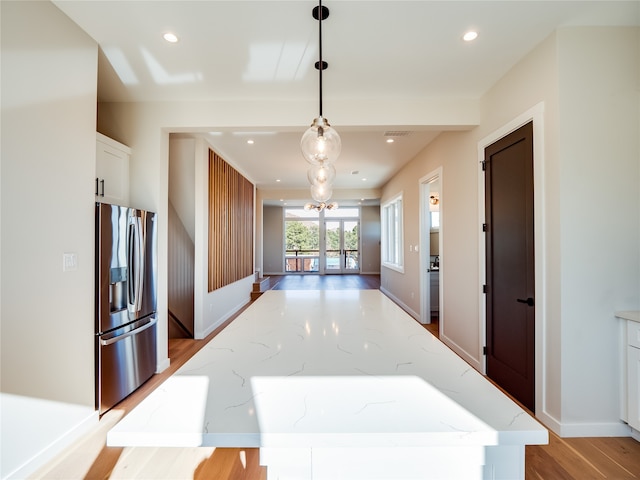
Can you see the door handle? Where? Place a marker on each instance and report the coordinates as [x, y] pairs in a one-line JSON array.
[[528, 301], [112, 340]]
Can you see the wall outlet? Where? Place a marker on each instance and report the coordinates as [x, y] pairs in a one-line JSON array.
[[69, 262]]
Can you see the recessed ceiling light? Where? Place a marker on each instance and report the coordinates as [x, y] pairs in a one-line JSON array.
[[390, 140], [470, 36], [170, 37], [250, 142], [364, 179]]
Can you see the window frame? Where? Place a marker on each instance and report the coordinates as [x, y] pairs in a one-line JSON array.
[[392, 234]]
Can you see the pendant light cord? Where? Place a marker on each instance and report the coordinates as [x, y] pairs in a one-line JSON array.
[[320, 64]]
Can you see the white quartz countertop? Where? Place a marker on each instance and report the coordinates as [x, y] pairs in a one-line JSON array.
[[633, 315], [294, 359], [362, 411]]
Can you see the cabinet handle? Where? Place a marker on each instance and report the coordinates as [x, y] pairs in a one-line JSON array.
[[97, 186], [528, 301], [102, 185]]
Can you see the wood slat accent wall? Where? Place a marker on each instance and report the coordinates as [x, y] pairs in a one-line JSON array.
[[230, 224]]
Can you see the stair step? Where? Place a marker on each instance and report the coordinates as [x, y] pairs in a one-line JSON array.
[[255, 295], [262, 285]]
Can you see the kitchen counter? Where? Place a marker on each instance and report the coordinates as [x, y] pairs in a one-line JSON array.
[[633, 315], [322, 370]]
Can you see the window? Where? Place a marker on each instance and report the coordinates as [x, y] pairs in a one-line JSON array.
[[435, 220], [302, 240], [392, 251]]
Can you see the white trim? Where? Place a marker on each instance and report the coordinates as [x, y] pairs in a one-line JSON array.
[[425, 243], [401, 304], [398, 267], [227, 316], [466, 356], [535, 114], [391, 266]]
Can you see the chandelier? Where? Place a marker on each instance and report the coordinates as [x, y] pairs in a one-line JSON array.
[[321, 144]]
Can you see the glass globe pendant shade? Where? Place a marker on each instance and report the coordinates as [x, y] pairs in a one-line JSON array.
[[321, 174], [320, 143], [321, 193]]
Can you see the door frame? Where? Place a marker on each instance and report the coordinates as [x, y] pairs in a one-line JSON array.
[[343, 270], [535, 115], [425, 244]]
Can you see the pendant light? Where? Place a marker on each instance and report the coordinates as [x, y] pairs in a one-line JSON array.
[[321, 144]]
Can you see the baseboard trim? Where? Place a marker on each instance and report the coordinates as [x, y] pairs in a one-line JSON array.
[[163, 365], [226, 317], [572, 430], [400, 303], [461, 352], [595, 430]]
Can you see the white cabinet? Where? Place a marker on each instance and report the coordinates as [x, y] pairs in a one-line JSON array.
[[633, 374], [631, 379], [112, 171]]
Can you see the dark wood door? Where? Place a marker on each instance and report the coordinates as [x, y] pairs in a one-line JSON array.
[[510, 264]]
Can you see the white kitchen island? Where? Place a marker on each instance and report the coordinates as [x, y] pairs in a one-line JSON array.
[[337, 384]]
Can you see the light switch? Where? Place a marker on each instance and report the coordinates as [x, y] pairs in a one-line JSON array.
[[69, 262]]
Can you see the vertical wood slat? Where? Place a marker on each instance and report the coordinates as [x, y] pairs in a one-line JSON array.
[[230, 224]]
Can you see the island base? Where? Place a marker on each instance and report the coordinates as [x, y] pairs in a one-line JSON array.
[[394, 463]]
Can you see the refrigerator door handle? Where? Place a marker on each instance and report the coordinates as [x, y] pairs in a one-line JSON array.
[[136, 263], [117, 338], [140, 239]]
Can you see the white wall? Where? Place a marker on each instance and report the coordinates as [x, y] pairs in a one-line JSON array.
[[182, 172], [48, 176], [273, 240], [586, 80], [47, 201], [599, 212], [370, 240]]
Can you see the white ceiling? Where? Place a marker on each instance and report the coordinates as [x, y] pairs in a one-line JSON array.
[[255, 50]]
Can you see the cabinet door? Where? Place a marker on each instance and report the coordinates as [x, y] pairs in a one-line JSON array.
[[112, 174], [434, 291], [633, 385]]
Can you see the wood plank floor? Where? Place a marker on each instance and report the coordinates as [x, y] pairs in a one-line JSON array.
[[563, 459]]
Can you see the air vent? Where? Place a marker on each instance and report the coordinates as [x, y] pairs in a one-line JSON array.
[[397, 133]]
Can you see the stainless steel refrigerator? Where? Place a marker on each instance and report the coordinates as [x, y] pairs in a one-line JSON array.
[[126, 265]]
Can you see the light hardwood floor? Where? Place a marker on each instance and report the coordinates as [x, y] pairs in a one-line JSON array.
[[561, 459]]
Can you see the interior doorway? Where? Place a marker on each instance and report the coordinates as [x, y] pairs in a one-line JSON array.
[[510, 264], [431, 258]]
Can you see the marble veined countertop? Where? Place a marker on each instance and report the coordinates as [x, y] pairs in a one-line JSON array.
[[346, 362]]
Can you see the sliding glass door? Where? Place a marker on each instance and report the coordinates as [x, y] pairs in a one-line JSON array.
[[322, 242], [342, 241]]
